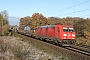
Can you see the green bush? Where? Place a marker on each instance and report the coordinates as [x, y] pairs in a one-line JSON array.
[[78, 35], [6, 33]]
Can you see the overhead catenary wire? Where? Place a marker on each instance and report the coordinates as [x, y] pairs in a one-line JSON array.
[[69, 7], [75, 12]]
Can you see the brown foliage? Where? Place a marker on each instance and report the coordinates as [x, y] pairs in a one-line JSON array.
[[4, 25], [81, 25], [36, 20]]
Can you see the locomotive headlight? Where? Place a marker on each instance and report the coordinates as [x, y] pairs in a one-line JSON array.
[[65, 35], [73, 38], [73, 35]]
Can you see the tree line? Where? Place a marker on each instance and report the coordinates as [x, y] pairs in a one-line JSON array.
[[4, 23], [81, 25]]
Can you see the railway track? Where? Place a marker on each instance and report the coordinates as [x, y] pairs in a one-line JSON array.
[[79, 49], [85, 46], [78, 52]]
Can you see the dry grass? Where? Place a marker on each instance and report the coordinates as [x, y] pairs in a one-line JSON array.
[[12, 48], [83, 41]]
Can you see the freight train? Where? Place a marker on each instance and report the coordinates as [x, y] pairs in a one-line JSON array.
[[24, 29], [57, 34]]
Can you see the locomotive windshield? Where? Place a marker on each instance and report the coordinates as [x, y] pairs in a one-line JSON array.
[[68, 29]]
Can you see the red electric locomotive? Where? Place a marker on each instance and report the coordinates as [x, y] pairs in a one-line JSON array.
[[59, 34]]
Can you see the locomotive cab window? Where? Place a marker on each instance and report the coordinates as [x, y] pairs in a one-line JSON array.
[[71, 29], [67, 29]]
